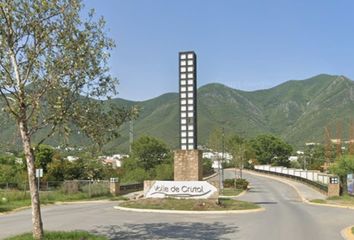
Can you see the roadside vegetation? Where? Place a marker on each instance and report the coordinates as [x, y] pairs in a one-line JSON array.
[[231, 192], [14, 199], [73, 235], [345, 200], [233, 187], [189, 204]]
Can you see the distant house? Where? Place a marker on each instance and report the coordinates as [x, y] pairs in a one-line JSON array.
[[293, 158], [115, 160], [217, 157], [71, 158]]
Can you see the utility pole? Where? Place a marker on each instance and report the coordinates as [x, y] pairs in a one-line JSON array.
[[223, 154]]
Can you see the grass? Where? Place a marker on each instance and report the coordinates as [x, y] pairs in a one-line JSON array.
[[345, 200], [231, 192], [352, 230], [318, 201], [13, 199], [189, 204], [74, 235]]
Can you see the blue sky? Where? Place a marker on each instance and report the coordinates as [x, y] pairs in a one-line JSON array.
[[244, 44]]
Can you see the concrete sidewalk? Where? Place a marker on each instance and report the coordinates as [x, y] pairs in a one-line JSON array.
[[306, 192]]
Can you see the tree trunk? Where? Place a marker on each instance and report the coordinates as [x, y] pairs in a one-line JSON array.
[[36, 210]]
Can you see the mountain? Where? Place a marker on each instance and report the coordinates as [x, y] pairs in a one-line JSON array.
[[297, 110]]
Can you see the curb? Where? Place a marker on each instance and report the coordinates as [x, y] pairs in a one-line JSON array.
[[234, 196], [188, 212], [15, 210], [347, 233], [211, 176], [54, 203]]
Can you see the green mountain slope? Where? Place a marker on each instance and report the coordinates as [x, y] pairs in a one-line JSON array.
[[296, 110]]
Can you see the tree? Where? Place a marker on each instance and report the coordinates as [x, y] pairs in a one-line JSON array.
[[52, 63], [150, 152], [314, 157], [43, 155], [236, 146], [341, 167], [271, 150], [215, 140]]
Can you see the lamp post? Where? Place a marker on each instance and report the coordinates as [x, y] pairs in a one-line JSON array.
[[223, 155]]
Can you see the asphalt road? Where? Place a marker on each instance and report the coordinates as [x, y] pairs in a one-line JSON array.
[[285, 217]]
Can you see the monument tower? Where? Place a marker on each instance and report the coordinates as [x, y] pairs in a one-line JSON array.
[[187, 166]]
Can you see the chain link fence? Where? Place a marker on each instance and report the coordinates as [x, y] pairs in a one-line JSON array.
[[92, 188]]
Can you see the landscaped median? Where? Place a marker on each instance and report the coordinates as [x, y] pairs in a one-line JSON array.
[[188, 205]]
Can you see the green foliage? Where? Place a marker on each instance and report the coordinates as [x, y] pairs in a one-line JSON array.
[[135, 175], [242, 183], [150, 159], [237, 147], [150, 152], [43, 155], [343, 166], [164, 171], [314, 157], [11, 170], [229, 183], [239, 183], [60, 170], [215, 140], [271, 150], [207, 167]]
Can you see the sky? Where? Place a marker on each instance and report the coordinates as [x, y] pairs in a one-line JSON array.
[[243, 44]]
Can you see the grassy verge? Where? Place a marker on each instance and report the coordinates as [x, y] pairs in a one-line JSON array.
[[10, 200], [231, 192], [352, 230], [190, 204], [345, 200], [74, 235]]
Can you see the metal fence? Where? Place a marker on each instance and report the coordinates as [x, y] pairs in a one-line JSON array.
[[91, 188], [131, 187], [319, 185]]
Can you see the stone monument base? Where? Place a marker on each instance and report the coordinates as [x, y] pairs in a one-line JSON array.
[[188, 165], [333, 190]]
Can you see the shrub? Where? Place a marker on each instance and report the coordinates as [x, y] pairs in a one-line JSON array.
[[229, 183], [241, 183]]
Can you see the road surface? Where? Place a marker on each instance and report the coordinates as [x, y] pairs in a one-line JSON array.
[[285, 217]]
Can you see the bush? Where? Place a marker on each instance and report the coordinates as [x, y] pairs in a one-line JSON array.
[[207, 167], [229, 183], [164, 172], [240, 183]]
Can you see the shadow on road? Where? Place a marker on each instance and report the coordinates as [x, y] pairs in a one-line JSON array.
[[256, 191], [265, 202], [181, 230]]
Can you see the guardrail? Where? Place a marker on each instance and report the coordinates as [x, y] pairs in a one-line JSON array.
[[313, 178]]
